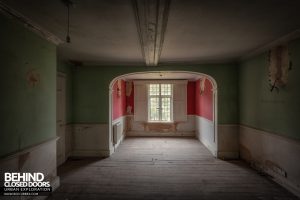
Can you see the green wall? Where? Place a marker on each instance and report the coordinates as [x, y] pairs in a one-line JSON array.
[[91, 83], [270, 111], [27, 114], [66, 68]]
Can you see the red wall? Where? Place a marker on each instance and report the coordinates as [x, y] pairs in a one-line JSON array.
[[201, 105], [191, 97], [119, 102], [204, 102]]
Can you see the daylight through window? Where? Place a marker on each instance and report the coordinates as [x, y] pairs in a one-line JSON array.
[[160, 102]]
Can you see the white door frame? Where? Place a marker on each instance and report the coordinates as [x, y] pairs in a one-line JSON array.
[[61, 138], [215, 102]]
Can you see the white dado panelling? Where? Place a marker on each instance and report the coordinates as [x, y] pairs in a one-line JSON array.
[[228, 141], [123, 122], [136, 128], [272, 154], [224, 145], [188, 126], [38, 158], [65, 140], [90, 140], [205, 133]]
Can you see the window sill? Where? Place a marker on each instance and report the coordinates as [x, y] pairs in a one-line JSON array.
[[160, 122]]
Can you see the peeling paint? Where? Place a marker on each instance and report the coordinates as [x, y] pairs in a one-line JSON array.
[[275, 168], [160, 127], [246, 153]]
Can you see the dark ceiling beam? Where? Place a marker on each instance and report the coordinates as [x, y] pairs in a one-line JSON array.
[[11, 13], [151, 18]]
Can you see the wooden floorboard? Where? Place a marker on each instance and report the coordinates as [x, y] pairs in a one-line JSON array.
[[164, 168]]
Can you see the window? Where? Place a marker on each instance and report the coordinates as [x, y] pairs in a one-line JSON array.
[[160, 102]]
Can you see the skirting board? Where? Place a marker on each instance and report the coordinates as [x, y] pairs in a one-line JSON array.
[[228, 141], [228, 155], [286, 184], [206, 134]]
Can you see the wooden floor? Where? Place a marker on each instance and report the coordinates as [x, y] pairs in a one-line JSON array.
[[164, 168]]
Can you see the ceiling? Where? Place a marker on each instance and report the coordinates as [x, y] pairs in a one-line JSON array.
[[106, 31]]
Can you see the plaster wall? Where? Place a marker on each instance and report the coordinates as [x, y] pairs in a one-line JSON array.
[[28, 85]]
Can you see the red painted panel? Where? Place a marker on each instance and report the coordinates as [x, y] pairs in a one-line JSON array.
[[201, 105], [204, 102], [119, 101], [130, 100], [191, 97]]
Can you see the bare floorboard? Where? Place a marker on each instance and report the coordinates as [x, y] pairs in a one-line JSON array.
[[164, 168]]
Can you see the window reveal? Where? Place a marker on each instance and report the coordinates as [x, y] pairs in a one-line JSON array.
[[160, 102]]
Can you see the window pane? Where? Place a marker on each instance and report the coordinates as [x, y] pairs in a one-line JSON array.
[[154, 89], [165, 89], [154, 109], [160, 102], [166, 109]]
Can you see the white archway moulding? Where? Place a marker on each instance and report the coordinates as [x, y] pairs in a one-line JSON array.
[[215, 102]]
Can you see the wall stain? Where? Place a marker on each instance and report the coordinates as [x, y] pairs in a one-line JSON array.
[[264, 167], [275, 168], [245, 153]]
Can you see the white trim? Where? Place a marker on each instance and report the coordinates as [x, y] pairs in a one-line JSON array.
[[39, 157], [29, 24], [154, 81], [119, 119], [140, 102], [204, 128], [123, 121], [205, 119], [274, 135], [27, 149], [215, 99]]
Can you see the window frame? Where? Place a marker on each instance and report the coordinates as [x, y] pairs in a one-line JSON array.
[[160, 96]]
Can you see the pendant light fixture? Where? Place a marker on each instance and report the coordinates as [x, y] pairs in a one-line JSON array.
[[68, 4]]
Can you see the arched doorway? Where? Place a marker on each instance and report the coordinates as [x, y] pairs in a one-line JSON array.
[[210, 140]]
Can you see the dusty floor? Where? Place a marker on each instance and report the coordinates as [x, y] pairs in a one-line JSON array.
[[163, 168]]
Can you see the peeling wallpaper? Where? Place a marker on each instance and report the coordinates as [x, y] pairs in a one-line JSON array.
[[275, 112]]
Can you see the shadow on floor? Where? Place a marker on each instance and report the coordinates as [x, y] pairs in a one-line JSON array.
[[164, 168]]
